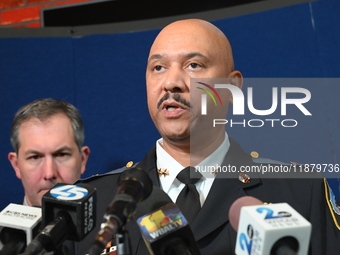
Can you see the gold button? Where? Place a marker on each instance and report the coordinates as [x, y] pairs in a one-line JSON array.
[[254, 154], [129, 164]]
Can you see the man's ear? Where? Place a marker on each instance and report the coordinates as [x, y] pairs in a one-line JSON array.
[[85, 152], [13, 158], [235, 78]]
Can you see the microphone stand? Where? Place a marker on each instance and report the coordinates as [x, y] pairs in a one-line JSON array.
[[123, 242]]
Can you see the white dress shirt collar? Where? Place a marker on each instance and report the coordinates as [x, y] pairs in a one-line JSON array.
[[172, 186]]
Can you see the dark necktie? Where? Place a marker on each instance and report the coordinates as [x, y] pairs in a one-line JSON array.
[[188, 199]]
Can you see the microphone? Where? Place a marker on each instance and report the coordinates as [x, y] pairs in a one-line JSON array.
[[20, 224], [69, 213], [274, 229], [163, 227], [134, 186]]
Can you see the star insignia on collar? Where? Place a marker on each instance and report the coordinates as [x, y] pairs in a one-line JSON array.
[[162, 171]]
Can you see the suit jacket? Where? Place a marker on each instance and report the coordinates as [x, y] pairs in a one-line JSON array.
[[211, 227]]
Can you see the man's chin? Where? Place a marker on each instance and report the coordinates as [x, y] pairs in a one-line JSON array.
[[179, 137]]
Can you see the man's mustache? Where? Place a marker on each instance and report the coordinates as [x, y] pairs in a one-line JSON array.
[[175, 96]]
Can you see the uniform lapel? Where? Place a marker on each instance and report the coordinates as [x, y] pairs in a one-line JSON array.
[[148, 164], [223, 193]]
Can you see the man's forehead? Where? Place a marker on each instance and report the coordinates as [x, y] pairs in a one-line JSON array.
[[53, 122], [182, 45]]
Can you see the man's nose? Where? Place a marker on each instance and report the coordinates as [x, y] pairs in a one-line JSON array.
[[50, 169], [176, 80]]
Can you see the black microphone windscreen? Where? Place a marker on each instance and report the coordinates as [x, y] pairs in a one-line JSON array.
[[135, 174]]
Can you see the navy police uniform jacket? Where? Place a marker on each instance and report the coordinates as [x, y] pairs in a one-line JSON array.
[[211, 227]]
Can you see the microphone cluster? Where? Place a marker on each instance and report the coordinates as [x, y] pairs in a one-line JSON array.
[[69, 213]]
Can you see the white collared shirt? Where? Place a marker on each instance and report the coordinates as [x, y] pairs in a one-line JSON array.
[[172, 186]]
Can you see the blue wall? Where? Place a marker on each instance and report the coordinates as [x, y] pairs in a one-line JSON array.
[[103, 76]]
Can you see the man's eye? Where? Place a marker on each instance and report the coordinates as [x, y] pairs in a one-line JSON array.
[[158, 68], [194, 66], [34, 157], [62, 154]]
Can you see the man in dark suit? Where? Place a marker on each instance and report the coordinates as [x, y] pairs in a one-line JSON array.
[[47, 136], [196, 49]]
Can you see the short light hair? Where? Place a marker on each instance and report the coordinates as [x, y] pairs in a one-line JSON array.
[[44, 109]]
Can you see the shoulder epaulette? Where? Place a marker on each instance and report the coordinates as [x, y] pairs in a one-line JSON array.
[[128, 165], [268, 161], [255, 156]]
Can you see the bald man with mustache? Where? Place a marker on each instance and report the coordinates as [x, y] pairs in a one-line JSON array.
[[196, 49]]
